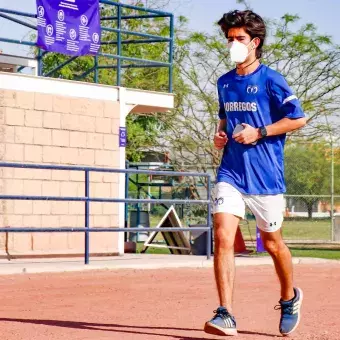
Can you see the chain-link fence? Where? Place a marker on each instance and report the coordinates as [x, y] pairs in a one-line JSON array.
[[313, 191], [312, 201]]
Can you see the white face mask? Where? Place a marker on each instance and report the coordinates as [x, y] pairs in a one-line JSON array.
[[238, 51]]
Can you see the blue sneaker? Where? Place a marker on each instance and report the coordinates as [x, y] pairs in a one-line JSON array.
[[290, 313], [222, 323]]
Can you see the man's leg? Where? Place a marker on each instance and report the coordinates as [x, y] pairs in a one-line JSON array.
[[228, 205], [291, 297], [268, 213], [277, 249], [225, 226]]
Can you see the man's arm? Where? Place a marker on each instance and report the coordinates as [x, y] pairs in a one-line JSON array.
[[220, 138], [285, 125], [250, 134], [222, 125], [287, 112]]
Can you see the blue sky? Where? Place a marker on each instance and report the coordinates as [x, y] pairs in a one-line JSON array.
[[202, 15]]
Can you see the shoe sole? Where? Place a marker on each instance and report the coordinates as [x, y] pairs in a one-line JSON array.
[[216, 330], [299, 317]]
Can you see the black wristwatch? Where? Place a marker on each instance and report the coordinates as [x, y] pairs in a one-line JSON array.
[[263, 131]]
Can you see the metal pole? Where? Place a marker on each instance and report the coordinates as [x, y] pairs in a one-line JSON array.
[[332, 187], [332, 178], [87, 218], [23, 14], [40, 63], [138, 207], [209, 232], [141, 9], [126, 196], [96, 69], [20, 22], [149, 193], [94, 230], [171, 52], [119, 44]]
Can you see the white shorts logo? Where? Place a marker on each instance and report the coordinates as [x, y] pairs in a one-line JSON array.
[[219, 201]]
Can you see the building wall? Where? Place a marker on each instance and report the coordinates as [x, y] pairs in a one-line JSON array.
[[57, 129], [55, 121]]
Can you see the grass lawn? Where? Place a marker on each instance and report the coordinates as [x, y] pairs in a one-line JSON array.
[[333, 254], [292, 230], [295, 230]]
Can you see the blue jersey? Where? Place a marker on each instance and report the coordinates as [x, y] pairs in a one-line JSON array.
[[258, 99]]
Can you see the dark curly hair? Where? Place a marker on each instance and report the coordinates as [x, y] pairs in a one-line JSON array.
[[252, 23]]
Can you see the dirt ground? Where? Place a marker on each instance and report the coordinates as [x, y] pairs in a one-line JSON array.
[[161, 304]]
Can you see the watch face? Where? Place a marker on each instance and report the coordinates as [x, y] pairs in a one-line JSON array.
[[263, 132]]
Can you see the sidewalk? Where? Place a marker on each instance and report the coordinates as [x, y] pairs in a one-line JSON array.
[[131, 261]]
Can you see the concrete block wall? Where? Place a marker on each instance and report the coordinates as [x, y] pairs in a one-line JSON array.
[[54, 129]]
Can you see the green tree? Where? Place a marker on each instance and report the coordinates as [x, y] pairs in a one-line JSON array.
[[81, 68], [337, 174], [142, 130], [309, 61], [142, 133], [308, 172]]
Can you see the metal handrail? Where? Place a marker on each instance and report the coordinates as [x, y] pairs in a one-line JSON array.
[[150, 38], [87, 199]]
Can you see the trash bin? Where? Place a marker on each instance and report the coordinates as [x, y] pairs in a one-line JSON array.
[[198, 240], [144, 222]]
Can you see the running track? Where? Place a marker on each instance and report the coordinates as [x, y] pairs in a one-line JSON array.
[[161, 304]]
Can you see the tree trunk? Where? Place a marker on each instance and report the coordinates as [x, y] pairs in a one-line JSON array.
[[310, 209]]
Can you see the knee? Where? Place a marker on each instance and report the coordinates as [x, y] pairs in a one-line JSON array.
[[223, 239], [274, 247]]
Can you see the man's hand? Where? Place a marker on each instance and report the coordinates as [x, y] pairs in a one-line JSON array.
[[220, 140], [248, 135]]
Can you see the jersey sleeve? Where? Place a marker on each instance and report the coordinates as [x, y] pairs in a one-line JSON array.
[[284, 100], [221, 109]]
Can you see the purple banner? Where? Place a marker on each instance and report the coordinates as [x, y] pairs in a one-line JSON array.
[[69, 26], [122, 136]]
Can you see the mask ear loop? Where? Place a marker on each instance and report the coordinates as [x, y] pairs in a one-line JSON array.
[[253, 44]]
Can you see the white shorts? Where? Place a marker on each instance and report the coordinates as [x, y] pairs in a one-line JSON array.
[[267, 209]]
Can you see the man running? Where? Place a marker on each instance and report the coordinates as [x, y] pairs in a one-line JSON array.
[[256, 110]]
